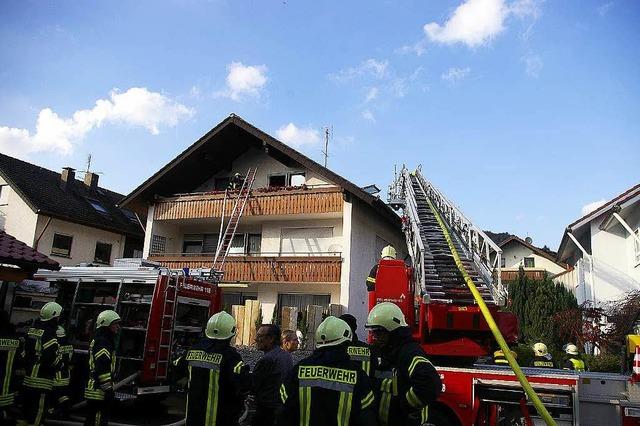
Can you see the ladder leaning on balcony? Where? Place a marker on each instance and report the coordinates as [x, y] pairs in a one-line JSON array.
[[225, 239]]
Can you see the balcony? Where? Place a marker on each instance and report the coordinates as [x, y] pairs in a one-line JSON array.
[[534, 274], [260, 203], [314, 268]]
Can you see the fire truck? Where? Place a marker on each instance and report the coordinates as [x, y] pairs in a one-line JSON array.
[[452, 295], [163, 312]]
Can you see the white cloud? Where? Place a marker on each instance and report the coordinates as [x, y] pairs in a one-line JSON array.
[[453, 75], [533, 64], [588, 208], [371, 94], [194, 92], [603, 9], [137, 107], [371, 67], [477, 22], [244, 81], [368, 115], [296, 137]]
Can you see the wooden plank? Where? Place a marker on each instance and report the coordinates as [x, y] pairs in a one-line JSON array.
[[237, 311], [289, 318], [314, 318], [335, 310], [246, 331], [252, 314]]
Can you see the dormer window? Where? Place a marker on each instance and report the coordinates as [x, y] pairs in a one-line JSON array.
[[99, 207]]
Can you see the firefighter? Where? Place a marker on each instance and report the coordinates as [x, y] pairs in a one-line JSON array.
[[360, 351], [236, 181], [388, 253], [406, 381], [10, 359], [500, 359], [218, 378], [99, 392], [41, 363], [327, 388], [541, 356], [574, 360], [61, 395]]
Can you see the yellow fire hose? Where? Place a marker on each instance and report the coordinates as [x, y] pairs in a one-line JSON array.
[[537, 403]]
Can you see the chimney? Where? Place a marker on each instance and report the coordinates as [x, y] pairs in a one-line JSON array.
[[91, 180], [67, 177]]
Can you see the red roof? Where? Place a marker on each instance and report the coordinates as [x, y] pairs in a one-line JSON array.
[[14, 252]]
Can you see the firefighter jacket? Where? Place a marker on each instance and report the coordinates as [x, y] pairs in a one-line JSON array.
[[10, 358], [41, 355], [406, 382], [371, 279], [102, 364], [217, 381], [363, 355], [574, 363], [327, 388], [542, 362], [65, 353]]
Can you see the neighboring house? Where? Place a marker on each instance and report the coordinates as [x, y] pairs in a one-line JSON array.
[[518, 253], [71, 221], [603, 247], [307, 235]]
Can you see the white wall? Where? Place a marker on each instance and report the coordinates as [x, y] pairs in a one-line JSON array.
[[266, 166], [84, 241], [16, 217], [514, 254]]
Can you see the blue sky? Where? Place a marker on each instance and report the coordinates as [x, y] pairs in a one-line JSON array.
[[522, 112]]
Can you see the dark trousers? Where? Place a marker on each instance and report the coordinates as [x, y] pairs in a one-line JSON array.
[[264, 416], [35, 405], [98, 413]]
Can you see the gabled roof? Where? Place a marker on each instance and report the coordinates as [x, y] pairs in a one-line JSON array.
[[536, 250], [14, 252], [40, 189], [629, 196], [214, 152]]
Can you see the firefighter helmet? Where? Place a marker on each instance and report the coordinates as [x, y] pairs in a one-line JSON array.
[[332, 331], [386, 315], [106, 318], [221, 326], [50, 310], [60, 332], [540, 349], [388, 251], [571, 349]]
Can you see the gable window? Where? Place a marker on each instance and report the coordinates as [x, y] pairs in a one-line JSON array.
[[529, 262], [61, 245], [278, 181], [103, 253], [99, 207], [637, 247], [297, 179], [4, 195]]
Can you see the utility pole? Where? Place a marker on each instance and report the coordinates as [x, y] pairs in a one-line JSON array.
[[327, 133]]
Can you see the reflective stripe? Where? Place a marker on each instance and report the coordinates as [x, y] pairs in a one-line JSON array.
[[96, 395], [383, 410], [50, 343], [40, 412], [366, 366], [304, 394], [38, 383], [8, 371], [98, 417], [283, 394], [414, 362], [578, 364], [212, 399], [61, 382], [413, 399], [367, 400], [238, 367], [102, 352], [7, 400], [500, 361], [371, 280], [186, 410], [344, 408], [424, 414], [106, 377], [327, 384]]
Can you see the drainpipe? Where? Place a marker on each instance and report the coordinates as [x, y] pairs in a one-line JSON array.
[[46, 225], [588, 256]]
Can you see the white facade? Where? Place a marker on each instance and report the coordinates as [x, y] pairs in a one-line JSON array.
[[516, 255]]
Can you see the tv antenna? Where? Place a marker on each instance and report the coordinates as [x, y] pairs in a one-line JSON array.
[[328, 132], [88, 167]]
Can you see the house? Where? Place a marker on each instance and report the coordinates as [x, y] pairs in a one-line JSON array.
[[69, 220], [518, 253], [307, 235], [603, 249]]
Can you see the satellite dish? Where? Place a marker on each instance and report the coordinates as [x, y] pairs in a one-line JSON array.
[[528, 240]]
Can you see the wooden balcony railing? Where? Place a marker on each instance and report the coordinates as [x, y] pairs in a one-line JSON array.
[[264, 269], [282, 202], [534, 274]]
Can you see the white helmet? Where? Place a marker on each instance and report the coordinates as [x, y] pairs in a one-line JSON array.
[[540, 349], [571, 349]]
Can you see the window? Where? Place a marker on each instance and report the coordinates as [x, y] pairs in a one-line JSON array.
[[99, 207], [277, 181], [304, 241], [4, 195], [301, 301], [192, 243], [297, 179], [220, 184], [253, 243], [637, 246], [229, 299], [529, 262], [130, 215], [158, 244], [503, 262], [61, 245], [103, 253], [209, 243], [237, 245]]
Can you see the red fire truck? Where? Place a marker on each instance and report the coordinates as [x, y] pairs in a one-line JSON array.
[[163, 312], [451, 295]]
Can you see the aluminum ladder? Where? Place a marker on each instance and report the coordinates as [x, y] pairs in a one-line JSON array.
[[167, 322]]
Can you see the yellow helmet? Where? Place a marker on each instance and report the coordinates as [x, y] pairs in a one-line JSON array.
[[221, 326], [332, 331], [571, 349], [386, 315], [540, 349], [50, 310], [106, 318], [388, 251]]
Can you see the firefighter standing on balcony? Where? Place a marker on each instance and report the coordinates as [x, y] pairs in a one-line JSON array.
[[327, 388], [406, 381], [99, 392], [41, 358], [217, 376], [61, 397], [358, 350], [388, 253]]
